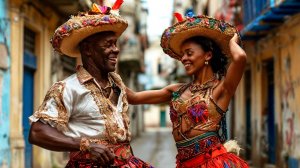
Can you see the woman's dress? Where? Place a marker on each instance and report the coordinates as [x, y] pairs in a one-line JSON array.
[[196, 124]]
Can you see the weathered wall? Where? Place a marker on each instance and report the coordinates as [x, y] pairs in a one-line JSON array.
[[42, 22], [283, 47], [4, 86]]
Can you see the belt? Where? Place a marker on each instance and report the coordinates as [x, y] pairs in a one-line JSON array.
[[200, 159], [199, 145], [196, 139]]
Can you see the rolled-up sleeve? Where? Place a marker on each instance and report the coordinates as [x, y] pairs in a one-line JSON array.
[[53, 110]]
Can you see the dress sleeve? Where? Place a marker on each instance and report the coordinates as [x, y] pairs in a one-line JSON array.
[[53, 109]]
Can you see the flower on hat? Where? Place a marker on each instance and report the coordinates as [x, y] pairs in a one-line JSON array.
[[107, 10], [100, 18], [100, 9]]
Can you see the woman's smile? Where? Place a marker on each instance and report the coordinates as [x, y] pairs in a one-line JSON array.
[[187, 65]]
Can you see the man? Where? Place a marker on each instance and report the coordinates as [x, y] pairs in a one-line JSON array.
[[87, 113]]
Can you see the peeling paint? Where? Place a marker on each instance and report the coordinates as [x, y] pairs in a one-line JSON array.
[[290, 86]]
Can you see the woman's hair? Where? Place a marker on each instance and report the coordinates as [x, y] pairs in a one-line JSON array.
[[219, 60]]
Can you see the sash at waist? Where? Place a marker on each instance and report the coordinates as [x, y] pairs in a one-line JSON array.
[[122, 151], [194, 140], [202, 144], [201, 159]]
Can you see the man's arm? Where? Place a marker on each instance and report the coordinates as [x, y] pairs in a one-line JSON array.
[[47, 137]]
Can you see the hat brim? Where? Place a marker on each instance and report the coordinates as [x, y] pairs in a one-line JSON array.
[[174, 36], [68, 36], [70, 45]]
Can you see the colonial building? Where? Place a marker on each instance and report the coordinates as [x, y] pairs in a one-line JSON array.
[[4, 85], [133, 44], [271, 93]]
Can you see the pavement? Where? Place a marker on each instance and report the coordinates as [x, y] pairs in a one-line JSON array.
[[156, 146]]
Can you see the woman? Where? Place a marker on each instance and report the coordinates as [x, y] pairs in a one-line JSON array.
[[197, 109]]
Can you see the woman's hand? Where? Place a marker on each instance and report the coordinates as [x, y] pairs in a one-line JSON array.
[[234, 39], [237, 52]]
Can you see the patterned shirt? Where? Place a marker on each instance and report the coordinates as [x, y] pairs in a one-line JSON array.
[[77, 107]]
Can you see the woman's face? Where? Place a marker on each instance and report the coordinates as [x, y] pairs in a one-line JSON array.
[[193, 57]]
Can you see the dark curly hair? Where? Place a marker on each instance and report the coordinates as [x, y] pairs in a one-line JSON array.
[[219, 60]]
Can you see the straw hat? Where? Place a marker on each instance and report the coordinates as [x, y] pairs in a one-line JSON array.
[[217, 30], [101, 18]]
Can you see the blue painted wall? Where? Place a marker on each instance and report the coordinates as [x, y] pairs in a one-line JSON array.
[[5, 95]]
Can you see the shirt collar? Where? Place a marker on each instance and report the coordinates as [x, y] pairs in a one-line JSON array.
[[83, 75]]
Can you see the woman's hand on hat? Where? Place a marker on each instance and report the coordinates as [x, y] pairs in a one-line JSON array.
[[235, 38], [235, 49]]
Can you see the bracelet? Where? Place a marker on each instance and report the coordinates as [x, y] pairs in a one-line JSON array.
[[84, 144]]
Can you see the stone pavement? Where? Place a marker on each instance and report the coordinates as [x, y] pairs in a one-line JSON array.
[[156, 146]]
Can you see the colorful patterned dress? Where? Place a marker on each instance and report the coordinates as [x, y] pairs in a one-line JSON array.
[[196, 124]]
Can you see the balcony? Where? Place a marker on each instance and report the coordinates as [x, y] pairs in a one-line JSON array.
[[261, 16]]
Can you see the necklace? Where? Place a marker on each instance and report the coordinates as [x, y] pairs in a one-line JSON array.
[[201, 88]]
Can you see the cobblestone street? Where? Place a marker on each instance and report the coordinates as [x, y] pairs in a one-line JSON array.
[[156, 146]]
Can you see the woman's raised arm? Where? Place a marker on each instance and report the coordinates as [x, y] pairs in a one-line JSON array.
[[236, 67], [151, 96]]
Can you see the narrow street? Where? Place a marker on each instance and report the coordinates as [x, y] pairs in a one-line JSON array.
[[156, 146]]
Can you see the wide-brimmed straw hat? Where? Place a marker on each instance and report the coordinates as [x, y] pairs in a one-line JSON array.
[[218, 31], [101, 18]]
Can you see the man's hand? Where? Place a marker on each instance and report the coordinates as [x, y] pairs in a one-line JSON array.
[[102, 154], [50, 138]]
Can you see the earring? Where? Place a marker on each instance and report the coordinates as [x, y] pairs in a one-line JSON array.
[[206, 62]]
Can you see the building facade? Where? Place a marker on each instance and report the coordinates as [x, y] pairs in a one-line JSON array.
[[5, 159], [272, 45], [133, 43], [31, 26]]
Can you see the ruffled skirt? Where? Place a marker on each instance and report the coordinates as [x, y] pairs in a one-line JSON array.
[[206, 151]]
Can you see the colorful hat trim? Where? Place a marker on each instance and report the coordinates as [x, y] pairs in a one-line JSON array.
[[101, 18], [201, 25]]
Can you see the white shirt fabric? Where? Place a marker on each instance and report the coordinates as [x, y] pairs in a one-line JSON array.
[[70, 107]]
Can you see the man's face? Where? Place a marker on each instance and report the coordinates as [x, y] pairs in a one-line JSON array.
[[104, 51]]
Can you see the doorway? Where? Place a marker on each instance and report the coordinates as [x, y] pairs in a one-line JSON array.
[[29, 68], [268, 113], [248, 113]]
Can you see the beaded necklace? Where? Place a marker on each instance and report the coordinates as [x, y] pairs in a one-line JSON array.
[[202, 88]]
